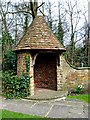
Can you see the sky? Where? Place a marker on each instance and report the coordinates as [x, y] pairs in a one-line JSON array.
[[82, 2]]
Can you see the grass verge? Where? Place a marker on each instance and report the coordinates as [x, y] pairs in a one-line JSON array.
[[9, 115], [83, 97]]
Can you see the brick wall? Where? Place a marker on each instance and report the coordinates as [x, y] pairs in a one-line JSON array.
[[47, 74], [21, 67], [69, 78], [43, 74]]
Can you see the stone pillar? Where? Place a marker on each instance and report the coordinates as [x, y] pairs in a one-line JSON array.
[[58, 74], [31, 76], [61, 85]]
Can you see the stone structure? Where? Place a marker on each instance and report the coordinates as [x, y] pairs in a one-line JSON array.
[[69, 78], [48, 68], [44, 49]]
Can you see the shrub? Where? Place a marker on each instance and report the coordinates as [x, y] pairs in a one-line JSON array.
[[10, 61], [79, 89], [14, 86]]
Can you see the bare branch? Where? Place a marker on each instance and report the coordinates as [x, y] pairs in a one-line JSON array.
[[40, 5], [19, 12], [42, 12]]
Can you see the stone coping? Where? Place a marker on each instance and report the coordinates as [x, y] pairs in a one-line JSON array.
[[48, 95]]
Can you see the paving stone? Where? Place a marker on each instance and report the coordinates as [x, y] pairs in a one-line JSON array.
[[86, 111], [76, 115], [17, 106], [75, 103], [76, 110], [53, 109], [59, 112], [40, 109]]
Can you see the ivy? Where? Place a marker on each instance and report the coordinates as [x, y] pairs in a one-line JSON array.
[[14, 86], [27, 58]]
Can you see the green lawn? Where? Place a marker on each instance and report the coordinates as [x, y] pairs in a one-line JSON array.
[[10, 114], [6, 115], [84, 97]]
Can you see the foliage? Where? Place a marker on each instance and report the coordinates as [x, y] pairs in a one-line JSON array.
[[26, 23], [67, 30], [60, 33], [14, 86], [6, 38], [10, 114], [79, 89], [27, 58], [80, 57], [84, 97], [6, 42], [9, 62], [86, 52]]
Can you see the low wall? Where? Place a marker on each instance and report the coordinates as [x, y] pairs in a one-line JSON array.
[[71, 77]]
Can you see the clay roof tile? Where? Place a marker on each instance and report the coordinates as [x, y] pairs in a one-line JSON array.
[[39, 36]]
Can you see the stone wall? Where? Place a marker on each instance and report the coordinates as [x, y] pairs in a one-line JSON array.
[[69, 78], [21, 67]]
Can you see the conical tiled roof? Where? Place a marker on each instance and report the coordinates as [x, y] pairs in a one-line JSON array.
[[39, 36]]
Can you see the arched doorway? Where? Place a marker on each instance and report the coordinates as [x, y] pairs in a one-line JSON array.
[[45, 71]]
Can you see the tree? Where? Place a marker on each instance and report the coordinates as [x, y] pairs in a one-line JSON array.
[[73, 17], [60, 31], [24, 12], [86, 43], [31, 8], [6, 37], [9, 62], [6, 43], [34, 7], [17, 17], [49, 14], [26, 22]]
